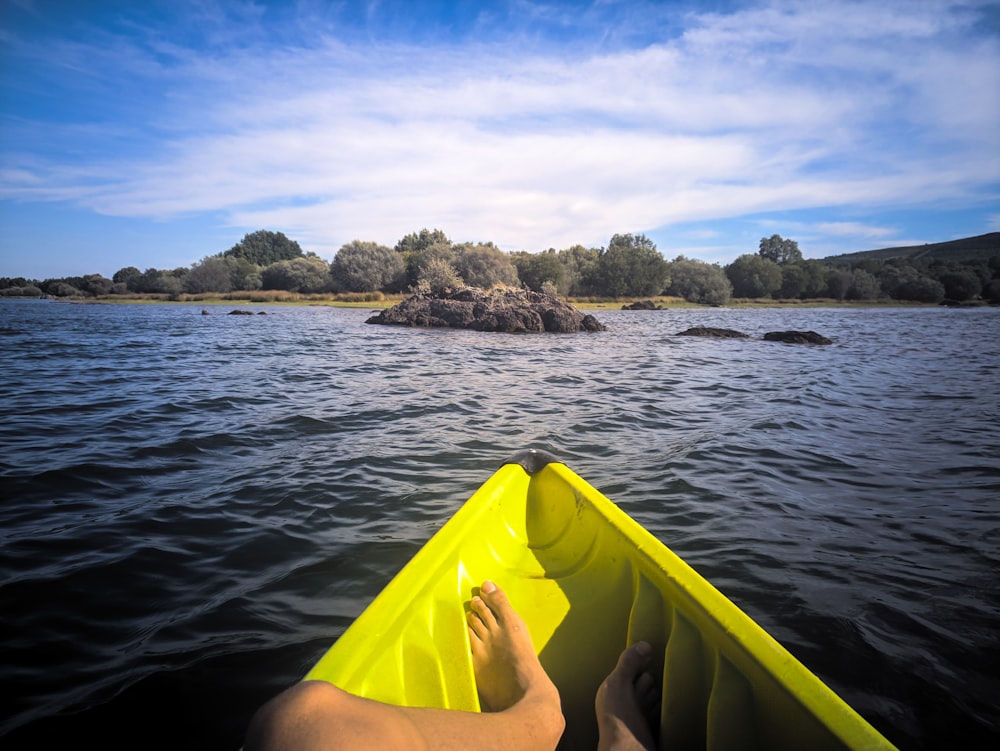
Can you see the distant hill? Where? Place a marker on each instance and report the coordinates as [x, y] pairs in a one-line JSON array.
[[964, 250]]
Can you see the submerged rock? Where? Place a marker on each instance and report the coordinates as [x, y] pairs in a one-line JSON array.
[[713, 332], [643, 305], [796, 337], [505, 310]]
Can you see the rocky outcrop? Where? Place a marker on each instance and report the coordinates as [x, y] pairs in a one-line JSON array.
[[506, 310], [642, 305], [714, 333], [789, 337], [796, 337]]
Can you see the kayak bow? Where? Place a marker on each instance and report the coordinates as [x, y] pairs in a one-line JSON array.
[[588, 581]]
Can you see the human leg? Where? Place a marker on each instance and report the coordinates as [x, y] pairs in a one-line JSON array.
[[522, 703], [318, 715], [626, 703]]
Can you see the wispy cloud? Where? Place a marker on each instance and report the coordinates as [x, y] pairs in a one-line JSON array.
[[856, 229], [773, 107]]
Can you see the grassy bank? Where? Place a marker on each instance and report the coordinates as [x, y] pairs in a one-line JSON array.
[[680, 303], [263, 297], [378, 300]]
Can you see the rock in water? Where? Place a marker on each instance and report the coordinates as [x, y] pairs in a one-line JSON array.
[[796, 337], [506, 310], [712, 332]]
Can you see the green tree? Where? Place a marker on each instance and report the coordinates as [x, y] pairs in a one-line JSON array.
[[20, 290], [417, 241], [754, 276], [18, 287], [210, 275], [699, 282], [631, 267], [18, 282], [172, 282], [579, 265], [778, 249], [901, 281], [129, 276], [156, 281], [62, 289], [815, 279], [991, 292], [95, 284], [438, 277], [243, 274], [535, 269], [961, 284], [418, 260], [793, 281], [838, 281], [419, 248], [484, 266], [264, 248], [366, 267], [863, 286], [308, 274]]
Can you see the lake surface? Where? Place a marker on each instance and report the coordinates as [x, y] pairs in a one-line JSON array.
[[196, 506]]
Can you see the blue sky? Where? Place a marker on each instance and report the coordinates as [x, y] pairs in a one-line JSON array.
[[154, 134]]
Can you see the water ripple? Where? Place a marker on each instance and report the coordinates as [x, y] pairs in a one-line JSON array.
[[198, 505]]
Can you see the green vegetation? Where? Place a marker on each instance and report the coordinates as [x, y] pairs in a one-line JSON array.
[[267, 266], [699, 282], [966, 250], [631, 266], [264, 248], [366, 266]]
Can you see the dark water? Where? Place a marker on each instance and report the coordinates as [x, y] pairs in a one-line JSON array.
[[196, 506]]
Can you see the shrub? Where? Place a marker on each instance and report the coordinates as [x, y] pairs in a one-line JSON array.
[[438, 277]]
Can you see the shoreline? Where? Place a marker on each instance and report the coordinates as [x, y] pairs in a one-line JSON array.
[[285, 299]]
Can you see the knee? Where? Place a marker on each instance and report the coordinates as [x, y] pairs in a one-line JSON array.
[[288, 719]]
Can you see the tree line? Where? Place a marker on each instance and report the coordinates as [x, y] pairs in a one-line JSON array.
[[629, 266]]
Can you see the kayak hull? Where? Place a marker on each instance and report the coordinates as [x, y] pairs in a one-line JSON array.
[[588, 581]]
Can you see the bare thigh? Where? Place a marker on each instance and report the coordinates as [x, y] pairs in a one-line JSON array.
[[318, 715]]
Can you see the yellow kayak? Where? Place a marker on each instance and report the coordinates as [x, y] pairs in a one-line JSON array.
[[588, 580]]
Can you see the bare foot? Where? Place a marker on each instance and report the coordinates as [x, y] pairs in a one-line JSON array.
[[506, 666], [627, 703]]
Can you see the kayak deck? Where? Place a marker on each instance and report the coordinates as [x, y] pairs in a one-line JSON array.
[[588, 581]]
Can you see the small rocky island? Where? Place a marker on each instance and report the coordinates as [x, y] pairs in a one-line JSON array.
[[504, 310], [642, 305], [713, 333], [796, 337], [789, 337]]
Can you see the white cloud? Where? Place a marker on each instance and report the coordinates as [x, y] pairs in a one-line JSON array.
[[776, 107], [855, 229]]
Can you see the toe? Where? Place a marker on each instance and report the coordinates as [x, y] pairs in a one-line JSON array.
[[480, 613], [634, 660], [476, 626], [496, 601], [645, 684], [647, 695]]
